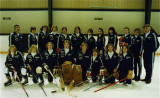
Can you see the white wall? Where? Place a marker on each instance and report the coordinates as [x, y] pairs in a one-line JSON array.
[[25, 19], [155, 21], [4, 43], [85, 19]]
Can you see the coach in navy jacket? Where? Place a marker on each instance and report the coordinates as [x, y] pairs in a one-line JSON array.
[[16, 38], [150, 45]]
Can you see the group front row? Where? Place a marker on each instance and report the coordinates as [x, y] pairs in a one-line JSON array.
[[115, 66]]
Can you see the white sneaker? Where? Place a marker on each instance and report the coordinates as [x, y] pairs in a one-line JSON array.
[[120, 83]]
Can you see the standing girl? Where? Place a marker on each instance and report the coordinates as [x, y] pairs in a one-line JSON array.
[[53, 36], [125, 67], [100, 41], [32, 37], [77, 39], [112, 37], [126, 37], [62, 37], [90, 40], [42, 38], [137, 46]]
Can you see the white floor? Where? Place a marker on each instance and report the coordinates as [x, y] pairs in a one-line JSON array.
[[138, 90]]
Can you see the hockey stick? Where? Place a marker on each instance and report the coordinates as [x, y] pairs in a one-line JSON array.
[[21, 83], [96, 84], [110, 85], [56, 82], [84, 81], [38, 82]]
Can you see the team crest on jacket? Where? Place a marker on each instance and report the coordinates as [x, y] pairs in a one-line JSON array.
[[114, 56], [51, 37], [16, 37], [95, 61], [29, 56], [10, 59], [16, 56], [69, 54], [30, 60], [86, 56], [42, 35], [138, 41], [36, 57], [127, 57], [80, 58], [121, 58]]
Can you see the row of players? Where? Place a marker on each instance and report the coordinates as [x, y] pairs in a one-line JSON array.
[[112, 63], [148, 43]]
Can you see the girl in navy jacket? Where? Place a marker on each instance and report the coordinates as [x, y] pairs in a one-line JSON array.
[[90, 40], [62, 37], [110, 60], [112, 37], [35, 63], [32, 37], [137, 47], [66, 53], [42, 38], [53, 36], [127, 37], [100, 41], [14, 61], [50, 59], [125, 66], [77, 39], [83, 59], [96, 63]]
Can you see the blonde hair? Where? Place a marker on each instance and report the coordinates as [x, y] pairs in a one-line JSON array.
[[12, 46], [67, 41], [32, 46], [48, 44], [83, 45]]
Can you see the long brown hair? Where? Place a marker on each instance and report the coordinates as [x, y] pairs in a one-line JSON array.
[[128, 49], [102, 32], [12, 46], [77, 27], [41, 29]]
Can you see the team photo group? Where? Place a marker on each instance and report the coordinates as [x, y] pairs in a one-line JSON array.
[[79, 58]]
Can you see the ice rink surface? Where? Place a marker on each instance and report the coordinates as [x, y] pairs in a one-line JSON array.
[[137, 90]]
